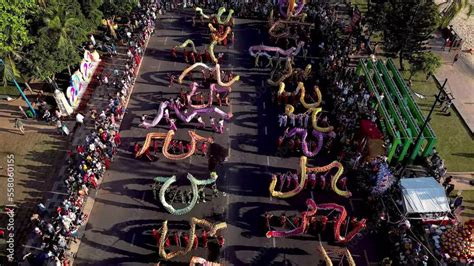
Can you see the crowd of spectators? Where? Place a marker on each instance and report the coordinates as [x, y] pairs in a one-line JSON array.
[[54, 230]]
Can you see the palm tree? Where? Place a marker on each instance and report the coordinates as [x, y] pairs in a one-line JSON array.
[[65, 25]]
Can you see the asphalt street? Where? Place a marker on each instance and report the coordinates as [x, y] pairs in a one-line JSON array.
[[119, 228]]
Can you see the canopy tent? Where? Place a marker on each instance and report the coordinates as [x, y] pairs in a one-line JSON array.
[[423, 195]]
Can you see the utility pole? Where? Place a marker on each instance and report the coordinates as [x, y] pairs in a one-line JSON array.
[[425, 124], [19, 89]]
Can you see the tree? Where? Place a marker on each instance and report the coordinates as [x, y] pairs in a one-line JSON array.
[[62, 31], [376, 14], [427, 62], [44, 62], [112, 8], [90, 9], [408, 26], [14, 33]]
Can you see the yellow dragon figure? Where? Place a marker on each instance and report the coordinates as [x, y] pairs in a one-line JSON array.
[[301, 89], [217, 70], [303, 177], [212, 228], [288, 72], [347, 254], [187, 43], [289, 110], [298, 73]]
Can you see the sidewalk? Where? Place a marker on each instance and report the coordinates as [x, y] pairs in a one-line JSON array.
[[461, 180], [98, 100], [460, 79]]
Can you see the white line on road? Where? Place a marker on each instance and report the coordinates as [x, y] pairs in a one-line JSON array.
[[143, 197], [312, 195], [268, 161], [274, 242], [366, 257], [59, 193], [32, 247], [166, 39], [266, 130], [159, 66], [352, 204], [264, 106], [133, 240]]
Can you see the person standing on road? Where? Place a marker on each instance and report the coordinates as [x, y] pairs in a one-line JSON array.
[[20, 125], [201, 122], [447, 106], [173, 53], [204, 238], [213, 124], [456, 58], [79, 122], [173, 125], [204, 148], [220, 128]]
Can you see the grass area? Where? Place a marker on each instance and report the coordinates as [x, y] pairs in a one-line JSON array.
[[9, 90], [468, 203], [361, 4], [455, 144]]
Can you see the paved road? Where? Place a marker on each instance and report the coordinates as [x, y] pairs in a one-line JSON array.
[[118, 231]]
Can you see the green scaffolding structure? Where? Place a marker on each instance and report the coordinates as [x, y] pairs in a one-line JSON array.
[[428, 140], [400, 114]]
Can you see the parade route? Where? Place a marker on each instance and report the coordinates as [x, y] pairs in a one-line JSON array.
[[124, 214]]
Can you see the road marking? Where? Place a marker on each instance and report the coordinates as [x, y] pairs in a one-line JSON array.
[[274, 242], [59, 193], [312, 195], [159, 66], [133, 239], [366, 257], [268, 161], [352, 204], [143, 197], [266, 131], [264, 106], [166, 39], [32, 247]]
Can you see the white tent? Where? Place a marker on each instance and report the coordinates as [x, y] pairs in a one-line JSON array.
[[423, 195]]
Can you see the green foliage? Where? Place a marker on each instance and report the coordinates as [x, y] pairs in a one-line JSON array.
[[90, 9], [427, 62], [14, 34], [408, 26], [62, 30], [45, 62], [112, 8], [452, 10], [377, 13], [14, 24]]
